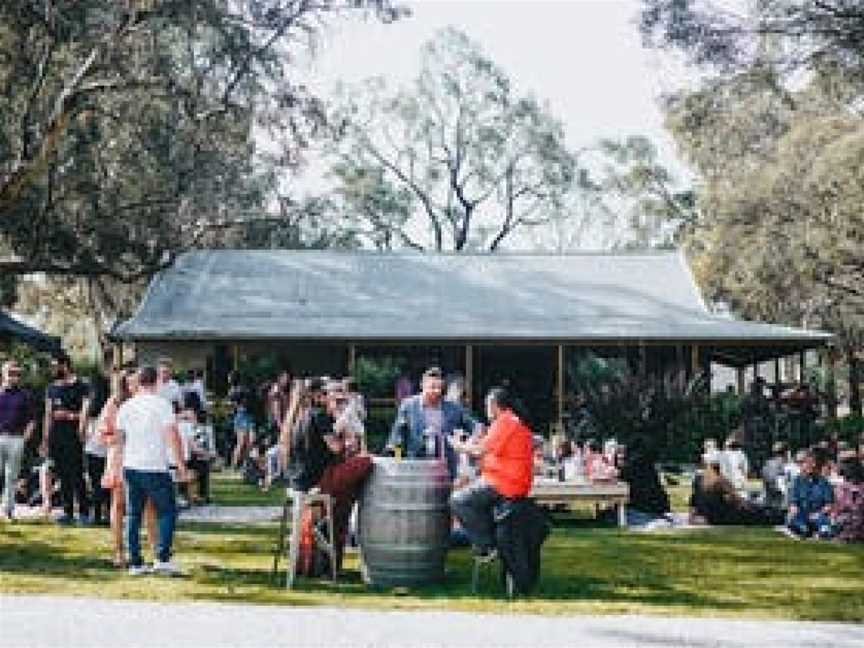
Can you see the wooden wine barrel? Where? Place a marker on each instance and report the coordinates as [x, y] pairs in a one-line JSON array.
[[404, 523]]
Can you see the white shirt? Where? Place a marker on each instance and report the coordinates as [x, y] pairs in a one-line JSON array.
[[144, 419], [734, 467]]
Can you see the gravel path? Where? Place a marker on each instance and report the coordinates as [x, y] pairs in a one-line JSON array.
[[37, 621], [231, 514]]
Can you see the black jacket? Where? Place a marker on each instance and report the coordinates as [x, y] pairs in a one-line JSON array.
[[521, 527]]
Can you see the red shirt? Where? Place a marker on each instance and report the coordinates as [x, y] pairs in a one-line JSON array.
[[508, 463]]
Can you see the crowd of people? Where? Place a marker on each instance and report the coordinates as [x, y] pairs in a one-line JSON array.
[[118, 449], [817, 493], [124, 451]]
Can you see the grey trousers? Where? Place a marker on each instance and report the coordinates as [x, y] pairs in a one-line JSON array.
[[472, 506], [11, 452]]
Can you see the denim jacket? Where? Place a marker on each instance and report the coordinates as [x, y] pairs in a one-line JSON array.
[[811, 493], [453, 416]]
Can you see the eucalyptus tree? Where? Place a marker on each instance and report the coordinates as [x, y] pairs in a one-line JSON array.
[[459, 160], [733, 36], [129, 128]]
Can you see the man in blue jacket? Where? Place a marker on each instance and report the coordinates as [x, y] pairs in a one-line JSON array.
[[425, 421]]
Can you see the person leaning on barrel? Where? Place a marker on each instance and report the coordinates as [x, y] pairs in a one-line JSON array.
[[426, 421], [506, 470]]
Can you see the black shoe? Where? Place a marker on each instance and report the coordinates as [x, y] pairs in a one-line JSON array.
[[486, 554]]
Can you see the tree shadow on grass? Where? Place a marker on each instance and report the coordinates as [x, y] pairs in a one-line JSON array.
[[45, 559]]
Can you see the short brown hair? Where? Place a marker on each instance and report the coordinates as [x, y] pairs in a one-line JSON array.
[[147, 376], [433, 372]]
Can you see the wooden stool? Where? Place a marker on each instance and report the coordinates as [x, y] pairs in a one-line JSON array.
[[296, 501], [490, 561]]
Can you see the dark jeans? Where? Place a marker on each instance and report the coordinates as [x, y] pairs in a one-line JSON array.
[[158, 487], [472, 506], [68, 455], [806, 524], [202, 470], [95, 470]]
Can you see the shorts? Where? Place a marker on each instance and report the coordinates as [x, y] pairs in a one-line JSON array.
[[242, 421]]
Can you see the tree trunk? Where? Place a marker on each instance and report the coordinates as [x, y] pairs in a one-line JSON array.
[[854, 382]]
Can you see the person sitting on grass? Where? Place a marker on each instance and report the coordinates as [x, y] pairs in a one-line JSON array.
[[810, 500], [847, 515], [774, 476], [648, 499], [714, 499]]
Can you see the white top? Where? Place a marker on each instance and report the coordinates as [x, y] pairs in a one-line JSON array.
[[735, 467], [171, 392], [144, 419]]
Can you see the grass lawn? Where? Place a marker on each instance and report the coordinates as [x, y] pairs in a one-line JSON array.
[[587, 569]]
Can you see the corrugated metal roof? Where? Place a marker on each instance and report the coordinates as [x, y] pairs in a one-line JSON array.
[[243, 294], [11, 327]]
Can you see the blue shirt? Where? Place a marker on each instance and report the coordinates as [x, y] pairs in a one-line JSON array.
[[811, 493]]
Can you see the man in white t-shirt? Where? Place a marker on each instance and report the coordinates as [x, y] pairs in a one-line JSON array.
[[150, 430]]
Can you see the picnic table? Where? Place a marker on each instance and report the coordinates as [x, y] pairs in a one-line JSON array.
[[550, 491]]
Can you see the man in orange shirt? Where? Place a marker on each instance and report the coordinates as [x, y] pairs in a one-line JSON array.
[[506, 470]]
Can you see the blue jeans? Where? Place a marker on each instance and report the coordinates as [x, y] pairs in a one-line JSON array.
[[806, 524], [159, 488]]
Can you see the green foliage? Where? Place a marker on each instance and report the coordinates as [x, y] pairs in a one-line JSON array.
[[624, 405], [8, 290], [847, 428], [637, 187], [376, 377], [36, 373], [127, 129], [379, 421], [788, 34]]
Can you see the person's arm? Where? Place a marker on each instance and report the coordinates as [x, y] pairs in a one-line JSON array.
[[479, 447], [829, 498], [83, 418], [794, 497], [47, 421], [31, 418], [172, 435]]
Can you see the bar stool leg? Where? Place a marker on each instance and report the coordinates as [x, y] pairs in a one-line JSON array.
[[332, 547], [294, 542], [283, 528]]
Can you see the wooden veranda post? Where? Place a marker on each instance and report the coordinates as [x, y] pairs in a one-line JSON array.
[[469, 375], [559, 388], [352, 358], [694, 360], [236, 350]]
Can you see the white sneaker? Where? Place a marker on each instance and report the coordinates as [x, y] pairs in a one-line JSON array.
[[139, 570], [168, 568]]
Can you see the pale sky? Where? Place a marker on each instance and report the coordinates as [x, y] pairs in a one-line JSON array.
[[583, 57]]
